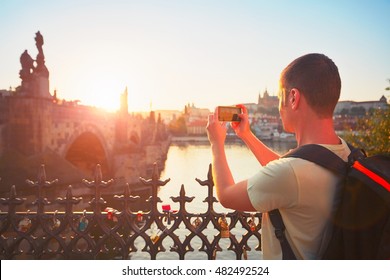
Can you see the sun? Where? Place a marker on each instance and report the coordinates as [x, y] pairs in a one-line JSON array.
[[103, 89], [103, 92], [107, 97]]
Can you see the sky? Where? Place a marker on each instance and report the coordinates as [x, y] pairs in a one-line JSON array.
[[169, 53]]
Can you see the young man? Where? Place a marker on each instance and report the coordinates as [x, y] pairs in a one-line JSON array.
[[304, 192]]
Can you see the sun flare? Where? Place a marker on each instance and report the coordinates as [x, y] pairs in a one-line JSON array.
[[102, 91]]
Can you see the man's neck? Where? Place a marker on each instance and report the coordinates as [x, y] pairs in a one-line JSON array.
[[316, 131]]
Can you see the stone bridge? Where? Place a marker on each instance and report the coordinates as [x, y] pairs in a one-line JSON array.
[[36, 126]]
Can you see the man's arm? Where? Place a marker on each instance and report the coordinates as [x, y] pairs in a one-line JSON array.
[[230, 194], [262, 153]]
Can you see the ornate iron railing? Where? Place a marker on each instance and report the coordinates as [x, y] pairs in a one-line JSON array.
[[114, 234]]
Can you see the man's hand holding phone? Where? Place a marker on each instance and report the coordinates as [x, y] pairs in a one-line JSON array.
[[242, 127], [229, 113], [236, 115]]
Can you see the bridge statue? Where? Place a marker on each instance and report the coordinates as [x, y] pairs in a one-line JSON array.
[[26, 72], [39, 42], [41, 67], [35, 77]]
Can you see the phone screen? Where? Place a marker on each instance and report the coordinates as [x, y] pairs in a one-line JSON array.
[[229, 113]]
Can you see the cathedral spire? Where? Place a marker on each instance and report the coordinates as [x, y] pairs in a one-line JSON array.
[[124, 109], [266, 94]]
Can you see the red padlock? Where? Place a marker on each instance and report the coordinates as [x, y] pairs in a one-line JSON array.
[[109, 211], [140, 216], [166, 208], [111, 214], [252, 224]]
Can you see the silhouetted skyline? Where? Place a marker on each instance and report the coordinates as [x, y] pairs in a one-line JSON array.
[[209, 53]]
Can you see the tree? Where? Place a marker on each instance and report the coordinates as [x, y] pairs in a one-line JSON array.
[[372, 132], [178, 127]]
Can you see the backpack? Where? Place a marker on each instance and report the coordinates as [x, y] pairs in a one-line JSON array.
[[361, 222]]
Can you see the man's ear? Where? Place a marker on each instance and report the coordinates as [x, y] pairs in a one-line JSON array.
[[294, 98]]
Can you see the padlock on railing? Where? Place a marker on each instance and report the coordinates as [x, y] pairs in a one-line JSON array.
[[252, 224], [111, 214], [24, 224], [83, 222], [225, 232], [140, 216], [155, 236], [55, 223], [168, 211], [197, 222]]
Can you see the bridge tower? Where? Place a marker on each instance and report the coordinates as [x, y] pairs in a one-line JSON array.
[[122, 121]]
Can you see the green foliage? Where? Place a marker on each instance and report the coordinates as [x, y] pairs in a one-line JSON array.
[[372, 132]]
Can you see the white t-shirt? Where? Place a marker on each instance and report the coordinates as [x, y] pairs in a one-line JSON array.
[[304, 193]]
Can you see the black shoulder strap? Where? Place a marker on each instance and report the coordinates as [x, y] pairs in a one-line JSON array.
[[321, 156], [277, 222]]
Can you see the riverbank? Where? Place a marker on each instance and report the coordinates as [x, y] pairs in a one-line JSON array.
[[230, 139], [189, 140]]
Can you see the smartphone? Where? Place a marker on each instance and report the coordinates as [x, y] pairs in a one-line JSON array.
[[229, 113]]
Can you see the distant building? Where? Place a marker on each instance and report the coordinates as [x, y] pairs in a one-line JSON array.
[[195, 113], [169, 115], [266, 104], [196, 120], [267, 101], [345, 107], [197, 127]]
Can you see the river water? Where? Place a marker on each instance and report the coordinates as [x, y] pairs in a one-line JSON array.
[[185, 162]]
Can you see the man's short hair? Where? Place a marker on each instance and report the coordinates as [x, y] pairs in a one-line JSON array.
[[317, 77]]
